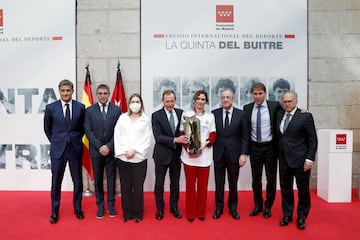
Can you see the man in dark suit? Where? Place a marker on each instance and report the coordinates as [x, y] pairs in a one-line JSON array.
[[165, 125], [263, 147], [64, 127], [297, 148], [230, 150], [100, 120]]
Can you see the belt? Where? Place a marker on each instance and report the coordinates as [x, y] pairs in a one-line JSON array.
[[262, 143]]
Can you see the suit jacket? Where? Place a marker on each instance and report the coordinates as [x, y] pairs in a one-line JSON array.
[[299, 141], [273, 107], [59, 134], [164, 139], [100, 131], [235, 138]]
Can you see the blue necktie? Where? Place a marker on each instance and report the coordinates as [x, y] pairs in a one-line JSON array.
[[103, 111], [258, 125], [286, 122], [172, 123]]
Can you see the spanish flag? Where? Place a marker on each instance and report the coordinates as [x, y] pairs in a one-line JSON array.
[[87, 100]]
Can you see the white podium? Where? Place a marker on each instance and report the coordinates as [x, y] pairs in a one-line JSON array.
[[335, 165]]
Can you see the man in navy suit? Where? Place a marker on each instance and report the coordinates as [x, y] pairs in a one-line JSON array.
[[297, 148], [230, 151], [64, 127], [165, 125], [100, 120], [263, 147]]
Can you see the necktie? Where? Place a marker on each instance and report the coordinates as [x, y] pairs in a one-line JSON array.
[[258, 125], [103, 111], [67, 114], [172, 123], [227, 123], [286, 122]]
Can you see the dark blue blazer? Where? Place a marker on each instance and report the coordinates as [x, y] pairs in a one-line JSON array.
[[235, 138], [59, 134], [98, 130], [164, 139], [299, 141]]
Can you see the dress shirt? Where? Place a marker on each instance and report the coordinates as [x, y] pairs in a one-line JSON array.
[[176, 120], [266, 135], [230, 115], [64, 107]]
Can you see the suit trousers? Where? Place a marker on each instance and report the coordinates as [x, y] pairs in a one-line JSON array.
[[220, 168], [302, 178], [263, 154], [57, 170], [174, 174], [197, 179], [99, 164], [132, 177]]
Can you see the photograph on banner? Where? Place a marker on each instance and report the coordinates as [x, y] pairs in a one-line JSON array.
[[190, 85], [160, 84], [278, 86], [220, 83], [34, 60]]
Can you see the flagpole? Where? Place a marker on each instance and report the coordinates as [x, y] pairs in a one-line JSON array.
[[87, 192]]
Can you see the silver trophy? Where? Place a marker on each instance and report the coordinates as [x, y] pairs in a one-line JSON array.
[[192, 130]]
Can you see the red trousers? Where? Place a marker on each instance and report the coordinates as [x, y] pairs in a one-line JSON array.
[[197, 179]]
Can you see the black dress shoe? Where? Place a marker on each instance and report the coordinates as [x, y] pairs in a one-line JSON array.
[[190, 219], [235, 215], [301, 223], [54, 218], [175, 212], [255, 211], [285, 221], [159, 215], [201, 218], [217, 214], [267, 213], [79, 214]]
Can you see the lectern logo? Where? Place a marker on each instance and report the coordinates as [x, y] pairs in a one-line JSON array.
[[341, 139]]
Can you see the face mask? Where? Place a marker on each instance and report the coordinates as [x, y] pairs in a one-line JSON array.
[[135, 107]]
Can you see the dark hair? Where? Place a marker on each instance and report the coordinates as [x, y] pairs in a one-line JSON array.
[[197, 94], [103, 86], [225, 83], [281, 83], [66, 82], [258, 86], [168, 92]]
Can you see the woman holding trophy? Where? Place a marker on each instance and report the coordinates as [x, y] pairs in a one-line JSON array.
[[197, 155]]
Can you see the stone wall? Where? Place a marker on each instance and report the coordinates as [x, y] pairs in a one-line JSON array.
[[109, 30]]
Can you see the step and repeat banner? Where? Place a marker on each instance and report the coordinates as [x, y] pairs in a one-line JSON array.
[[190, 45], [37, 50]]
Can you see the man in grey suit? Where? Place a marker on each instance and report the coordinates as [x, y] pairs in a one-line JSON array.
[[297, 148], [165, 125], [230, 151], [263, 147], [100, 120]]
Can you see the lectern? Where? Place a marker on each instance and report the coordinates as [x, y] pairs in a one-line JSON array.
[[335, 165]]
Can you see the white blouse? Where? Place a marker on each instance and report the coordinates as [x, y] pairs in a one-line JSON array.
[[132, 134]]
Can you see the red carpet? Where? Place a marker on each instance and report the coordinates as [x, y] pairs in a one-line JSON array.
[[25, 215]]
